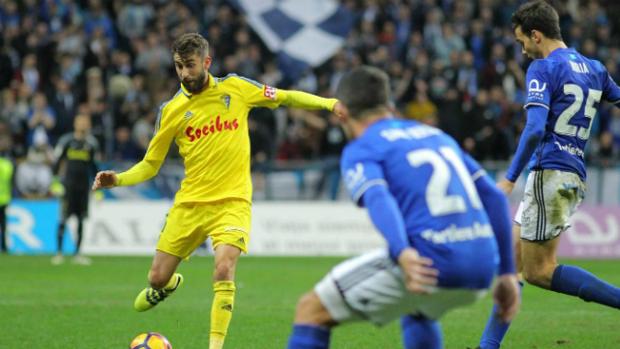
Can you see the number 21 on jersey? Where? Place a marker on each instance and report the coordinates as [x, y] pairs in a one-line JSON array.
[[438, 201]]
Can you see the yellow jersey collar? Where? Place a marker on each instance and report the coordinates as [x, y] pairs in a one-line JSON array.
[[212, 83]]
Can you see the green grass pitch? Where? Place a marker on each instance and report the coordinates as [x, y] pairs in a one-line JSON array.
[[77, 307]]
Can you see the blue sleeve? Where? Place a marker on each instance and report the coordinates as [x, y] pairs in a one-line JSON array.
[[387, 218], [538, 85], [496, 206], [611, 91], [530, 138], [360, 171]]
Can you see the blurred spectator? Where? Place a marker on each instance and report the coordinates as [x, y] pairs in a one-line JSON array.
[[34, 174], [6, 65], [64, 103], [29, 73], [606, 154], [41, 119], [124, 146], [143, 131], [333, 140], [467, 76], [152, 55], [97, 20], [261, 145], [448, 42], [422, 108], [134, 17]]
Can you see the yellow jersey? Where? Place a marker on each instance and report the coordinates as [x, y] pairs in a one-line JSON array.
[[6, 179], [210, 129]]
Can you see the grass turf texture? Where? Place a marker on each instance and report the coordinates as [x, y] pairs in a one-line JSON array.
[[72, 306]]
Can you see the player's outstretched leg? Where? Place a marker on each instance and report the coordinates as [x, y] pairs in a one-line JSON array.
[[164, 281], [311, 329], [226, 257], [578, 282], [150, 297], [541, 269], [420, 332]]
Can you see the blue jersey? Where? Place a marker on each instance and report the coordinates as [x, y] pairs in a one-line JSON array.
[[570, 86], [425, 171]]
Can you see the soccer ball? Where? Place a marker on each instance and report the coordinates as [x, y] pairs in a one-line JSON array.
[[151, 340]]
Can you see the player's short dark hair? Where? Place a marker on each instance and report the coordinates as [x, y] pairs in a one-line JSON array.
[[364, 89], [538, 15], [189, 44]]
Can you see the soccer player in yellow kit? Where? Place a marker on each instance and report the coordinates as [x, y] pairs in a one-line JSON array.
[[208, 120]]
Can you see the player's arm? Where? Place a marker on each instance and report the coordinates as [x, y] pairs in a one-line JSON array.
[[537, 107], [60, 153], [305, 100], [367, 186], [496, 206], [150, 164], [611, 91], [387, 218], [260, 95], [530, 138]]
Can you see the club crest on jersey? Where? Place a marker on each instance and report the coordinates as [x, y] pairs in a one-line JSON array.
[[188, 114], [269, 92], [226, 100]]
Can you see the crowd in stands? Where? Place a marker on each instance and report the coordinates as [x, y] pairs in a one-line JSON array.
[[453, 63]]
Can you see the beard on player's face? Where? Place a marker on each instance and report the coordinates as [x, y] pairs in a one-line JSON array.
[[195, 84], [192, 70]]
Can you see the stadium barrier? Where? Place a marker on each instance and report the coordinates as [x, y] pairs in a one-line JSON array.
[[297, 180], [279, 228]]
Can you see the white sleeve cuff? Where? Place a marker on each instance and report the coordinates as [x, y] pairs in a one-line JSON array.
[[362, 189], [536, 104]]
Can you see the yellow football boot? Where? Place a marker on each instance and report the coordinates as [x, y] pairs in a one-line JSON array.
[[150, 297]]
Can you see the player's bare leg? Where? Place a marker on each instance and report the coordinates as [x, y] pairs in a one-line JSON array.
[[516, 236], [310, 311], [541, 268], [226, 257], [163, 267], [163, 281], [312, 327], [539, 261]]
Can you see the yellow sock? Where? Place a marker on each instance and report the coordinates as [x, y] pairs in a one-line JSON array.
[[221, 312]]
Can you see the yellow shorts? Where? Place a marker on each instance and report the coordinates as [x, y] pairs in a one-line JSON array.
[[189, 224]]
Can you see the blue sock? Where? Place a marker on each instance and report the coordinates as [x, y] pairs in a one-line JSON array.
[[577, 282], [421, 333], [309, 337], [495, 330]]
